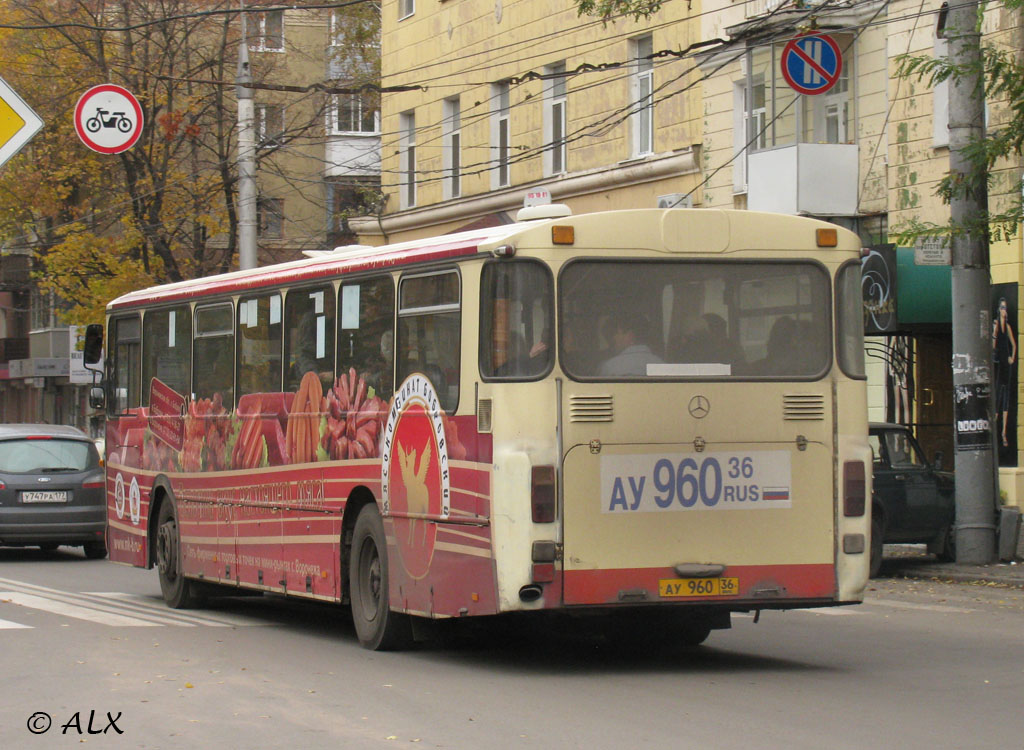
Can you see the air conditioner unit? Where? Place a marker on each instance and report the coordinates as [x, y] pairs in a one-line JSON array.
[[675, 200]]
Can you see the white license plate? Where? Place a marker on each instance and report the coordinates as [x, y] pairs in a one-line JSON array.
[[652, 482], [44, 497]]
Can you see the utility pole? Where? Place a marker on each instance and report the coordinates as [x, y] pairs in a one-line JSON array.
[[974, 459], [246, 157]]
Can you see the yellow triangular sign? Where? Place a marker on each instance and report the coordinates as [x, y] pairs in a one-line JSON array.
[[10, 122]]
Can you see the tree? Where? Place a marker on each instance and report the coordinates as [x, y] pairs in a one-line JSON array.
[[163, 210], [1002, 72]]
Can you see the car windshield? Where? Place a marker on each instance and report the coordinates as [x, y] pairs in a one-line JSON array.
[[46, 455]]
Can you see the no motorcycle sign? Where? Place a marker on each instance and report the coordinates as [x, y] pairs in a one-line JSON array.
[[108, 119]]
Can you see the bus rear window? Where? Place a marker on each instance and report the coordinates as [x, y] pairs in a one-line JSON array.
[[629, 320]]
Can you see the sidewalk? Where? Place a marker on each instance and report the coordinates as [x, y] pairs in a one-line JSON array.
[[911, 561]]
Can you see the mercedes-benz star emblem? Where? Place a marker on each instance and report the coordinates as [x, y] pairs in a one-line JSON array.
[[699, 407]]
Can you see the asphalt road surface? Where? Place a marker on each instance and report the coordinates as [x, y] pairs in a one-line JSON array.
[[91, 645]]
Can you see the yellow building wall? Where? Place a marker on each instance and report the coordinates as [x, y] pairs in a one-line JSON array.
[[459, 49]]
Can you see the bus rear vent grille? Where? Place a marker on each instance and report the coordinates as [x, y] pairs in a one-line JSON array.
[[803, 406], [591, 409]]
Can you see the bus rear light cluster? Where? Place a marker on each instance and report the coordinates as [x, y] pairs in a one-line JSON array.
[[854, 489], [542, 494]]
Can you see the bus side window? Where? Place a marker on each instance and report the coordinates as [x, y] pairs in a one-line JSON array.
[[309, 337], [517, 321], [366, 333], [259, 344], [213, 354], [167, 350], [429, 332], [125, 374]]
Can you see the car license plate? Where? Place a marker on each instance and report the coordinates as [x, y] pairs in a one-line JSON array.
[[673, 587], [44, 497]]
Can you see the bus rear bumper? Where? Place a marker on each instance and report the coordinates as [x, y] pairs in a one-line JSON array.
[[746, 586]]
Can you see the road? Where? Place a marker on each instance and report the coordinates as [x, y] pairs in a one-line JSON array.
[[919, 664]]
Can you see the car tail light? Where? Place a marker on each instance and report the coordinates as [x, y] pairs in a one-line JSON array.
[[3, 486], [542, 494], [94, 485], [38, 437], [853, 488]]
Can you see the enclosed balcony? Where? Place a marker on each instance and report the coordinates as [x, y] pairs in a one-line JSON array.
[[805, 178]]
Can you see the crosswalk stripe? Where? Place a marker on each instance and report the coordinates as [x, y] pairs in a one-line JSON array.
[[132, 607], [140, 603], [72, 610], [8, 625]]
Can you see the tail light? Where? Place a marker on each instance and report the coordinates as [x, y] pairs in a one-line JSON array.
[[542, 494], [854, 488], [96, 484]]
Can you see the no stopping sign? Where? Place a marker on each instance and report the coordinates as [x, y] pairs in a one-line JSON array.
[[108, 119], [811, 63]]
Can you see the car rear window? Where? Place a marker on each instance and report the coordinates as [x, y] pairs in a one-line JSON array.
[[50, 455]]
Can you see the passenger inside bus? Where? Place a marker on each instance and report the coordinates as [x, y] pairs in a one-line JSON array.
[[632, 353], [781, 348]]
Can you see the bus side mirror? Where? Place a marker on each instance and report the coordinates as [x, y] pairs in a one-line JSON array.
[[93, 344], [96, 399]]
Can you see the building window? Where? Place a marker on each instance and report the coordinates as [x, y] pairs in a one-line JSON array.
[[642, 119], [355, 113], [407, 126], [269, 124], [452, 148], [555, 118], [406, 8], [270, 216], [268, 30], [500, 136]]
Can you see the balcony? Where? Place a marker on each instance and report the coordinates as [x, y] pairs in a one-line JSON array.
[[807, 178]]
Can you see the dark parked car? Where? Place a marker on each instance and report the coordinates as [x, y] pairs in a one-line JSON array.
[[52, 489], [911, 500]]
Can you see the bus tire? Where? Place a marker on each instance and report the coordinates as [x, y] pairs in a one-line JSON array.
[[178, 591], [377, 627]]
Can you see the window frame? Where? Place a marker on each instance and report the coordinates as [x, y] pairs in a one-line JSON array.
[[642, 97], [422, 311], [148, 354], [501, 134], [484, 345], [229, 333], [260, 43], [113, 364]]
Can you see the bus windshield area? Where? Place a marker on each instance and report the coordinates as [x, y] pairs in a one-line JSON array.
[[651, 320]]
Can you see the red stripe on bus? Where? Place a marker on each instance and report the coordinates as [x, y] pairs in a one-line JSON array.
[[755, 582]]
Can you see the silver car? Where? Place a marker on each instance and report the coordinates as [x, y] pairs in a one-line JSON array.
[[52, 489]]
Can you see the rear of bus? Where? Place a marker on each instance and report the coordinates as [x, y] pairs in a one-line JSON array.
[[710, 452]]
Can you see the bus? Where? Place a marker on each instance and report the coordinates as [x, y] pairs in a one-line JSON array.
[[654, 416]]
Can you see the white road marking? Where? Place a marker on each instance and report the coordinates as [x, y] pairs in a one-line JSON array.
[[71, 610], [114, 608], [8, 625]]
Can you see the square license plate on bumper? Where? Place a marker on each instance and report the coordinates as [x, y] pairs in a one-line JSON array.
[[44, 497], [681, 587]]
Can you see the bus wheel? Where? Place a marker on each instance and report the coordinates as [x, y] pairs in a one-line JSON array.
[[377, 627], [877, 539], [176, 589]]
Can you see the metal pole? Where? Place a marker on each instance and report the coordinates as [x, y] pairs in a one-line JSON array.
[[246, 158], [974, 459]]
